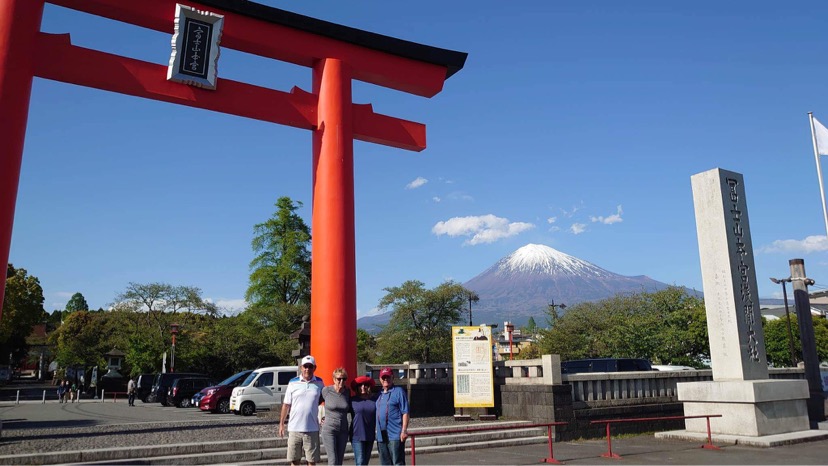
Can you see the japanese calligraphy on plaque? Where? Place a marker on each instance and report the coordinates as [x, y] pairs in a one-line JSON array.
[[195, 47]]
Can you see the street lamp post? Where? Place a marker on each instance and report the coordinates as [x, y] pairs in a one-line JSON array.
[[174, 332], [553, 308], [509, 329], [783, 281], [472, 297]]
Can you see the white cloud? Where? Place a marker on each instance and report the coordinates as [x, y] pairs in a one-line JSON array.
[[577, 228], [554, 228], [436, 199], [807, 245], [459, 196], [609, 220], [575, 208], [230, 306], [64, 294], [551, 219], [482, 229], [416, 183]]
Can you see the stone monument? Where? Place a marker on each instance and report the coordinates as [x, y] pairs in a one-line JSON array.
[[750, 403]]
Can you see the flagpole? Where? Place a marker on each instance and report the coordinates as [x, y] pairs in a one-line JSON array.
[[819, 171]]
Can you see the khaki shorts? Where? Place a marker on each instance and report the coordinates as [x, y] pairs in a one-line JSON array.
[[307, 441]]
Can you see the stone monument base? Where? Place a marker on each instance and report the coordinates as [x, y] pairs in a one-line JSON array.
[[749, 408], [764, 441]]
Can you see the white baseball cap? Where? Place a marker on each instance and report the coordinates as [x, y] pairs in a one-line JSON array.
[[308, 360]]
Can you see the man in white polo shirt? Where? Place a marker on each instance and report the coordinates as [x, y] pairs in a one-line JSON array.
[[302, 402]]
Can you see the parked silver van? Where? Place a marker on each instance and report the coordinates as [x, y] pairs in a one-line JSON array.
[[263, 389]]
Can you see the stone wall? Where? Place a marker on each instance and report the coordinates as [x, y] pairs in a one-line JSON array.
[[533, 390]]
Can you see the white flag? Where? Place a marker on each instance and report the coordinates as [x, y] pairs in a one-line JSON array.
[[164, 363], [821, 135]]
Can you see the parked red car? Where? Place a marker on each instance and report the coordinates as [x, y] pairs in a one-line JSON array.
[[216, 399]]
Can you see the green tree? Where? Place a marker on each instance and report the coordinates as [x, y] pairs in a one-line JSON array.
[[281, 270], [667, 327], [421, 320], [81, 340], [22, 308], [366, 346], [77, 303], [531, 326], [776, 340], [140, 322]]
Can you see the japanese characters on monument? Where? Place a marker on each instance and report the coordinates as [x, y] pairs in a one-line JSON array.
[[473, 370]]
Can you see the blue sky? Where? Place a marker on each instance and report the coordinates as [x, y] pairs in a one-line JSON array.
[[574, 124]]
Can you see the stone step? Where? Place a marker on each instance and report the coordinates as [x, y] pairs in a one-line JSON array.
[[267, 450]]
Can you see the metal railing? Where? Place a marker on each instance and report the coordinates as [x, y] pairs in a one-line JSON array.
[[609, 454], [551, 459]]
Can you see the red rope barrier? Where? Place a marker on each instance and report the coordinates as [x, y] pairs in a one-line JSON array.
[[548, 425], [609, 454]]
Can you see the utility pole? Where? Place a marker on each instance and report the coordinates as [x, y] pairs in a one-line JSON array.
[[783, 281], [816, 402]]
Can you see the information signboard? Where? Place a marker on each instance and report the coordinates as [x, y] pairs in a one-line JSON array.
[[473, 371]]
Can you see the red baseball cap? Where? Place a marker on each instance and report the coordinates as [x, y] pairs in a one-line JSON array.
[[386, 371]]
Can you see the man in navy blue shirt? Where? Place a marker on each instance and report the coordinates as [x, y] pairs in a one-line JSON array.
[[392, 420]]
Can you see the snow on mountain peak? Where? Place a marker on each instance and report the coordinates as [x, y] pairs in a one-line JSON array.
[[538, 258]]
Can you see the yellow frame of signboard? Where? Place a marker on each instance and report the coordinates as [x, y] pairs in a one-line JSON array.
[[473, 372]]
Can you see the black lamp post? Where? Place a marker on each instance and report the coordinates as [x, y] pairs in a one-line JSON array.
[[788, 315], [472, 297]]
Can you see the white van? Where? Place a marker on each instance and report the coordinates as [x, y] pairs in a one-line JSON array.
[[262, 389]]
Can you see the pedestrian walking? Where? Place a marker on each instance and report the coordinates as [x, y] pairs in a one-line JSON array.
[[61, 391], [131, 391]]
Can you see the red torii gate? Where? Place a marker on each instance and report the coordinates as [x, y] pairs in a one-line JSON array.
[[337, 54]]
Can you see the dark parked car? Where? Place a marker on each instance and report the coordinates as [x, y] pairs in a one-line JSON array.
[[182, 390], [143, 387], [217, 398], [162, 383], [605, 365]]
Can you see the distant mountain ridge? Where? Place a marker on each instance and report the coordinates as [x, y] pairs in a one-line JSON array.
[[524, 283]]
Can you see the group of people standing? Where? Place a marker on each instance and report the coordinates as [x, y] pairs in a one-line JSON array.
[[67, 393], [375, 417]]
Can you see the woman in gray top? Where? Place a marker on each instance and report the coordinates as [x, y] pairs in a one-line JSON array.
[[334, 432]]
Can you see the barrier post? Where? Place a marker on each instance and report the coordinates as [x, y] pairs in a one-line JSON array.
[[44, 397], [551, 459], [413, 454], [103, 392], [17, 400], [609, 453], [709, 445]]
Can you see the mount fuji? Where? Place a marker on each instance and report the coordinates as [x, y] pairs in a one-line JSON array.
[[524, 283]]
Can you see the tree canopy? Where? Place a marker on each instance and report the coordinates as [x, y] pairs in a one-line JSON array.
[[281, 269], [421, 321], [776, 340], [77, 303], [667, 327], [22, 308]]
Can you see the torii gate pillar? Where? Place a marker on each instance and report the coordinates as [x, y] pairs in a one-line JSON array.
[[19, 26], [333, 289]]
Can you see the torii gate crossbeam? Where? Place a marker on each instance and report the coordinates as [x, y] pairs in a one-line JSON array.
[[336, 54]]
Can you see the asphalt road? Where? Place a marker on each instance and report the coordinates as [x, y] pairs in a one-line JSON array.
[[31, 412]]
